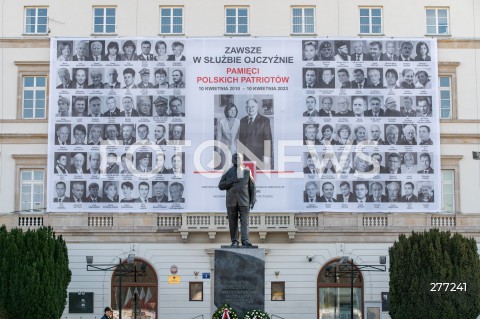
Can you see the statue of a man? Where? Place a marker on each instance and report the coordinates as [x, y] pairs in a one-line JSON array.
[[241, 197]]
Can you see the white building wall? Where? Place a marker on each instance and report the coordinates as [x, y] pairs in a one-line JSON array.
[[290, 261]]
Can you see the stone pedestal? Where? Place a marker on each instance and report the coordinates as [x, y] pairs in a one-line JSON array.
[[240, 279]]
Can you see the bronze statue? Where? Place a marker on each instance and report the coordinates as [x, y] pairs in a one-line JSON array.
[[241, 197]]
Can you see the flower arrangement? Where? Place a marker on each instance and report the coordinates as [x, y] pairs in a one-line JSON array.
[[256, 314], [225, 312]]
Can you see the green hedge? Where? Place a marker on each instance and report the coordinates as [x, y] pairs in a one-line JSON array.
[[418, 261], [34, 274]]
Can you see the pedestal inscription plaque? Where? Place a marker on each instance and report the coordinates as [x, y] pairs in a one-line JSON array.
[[240, 279]]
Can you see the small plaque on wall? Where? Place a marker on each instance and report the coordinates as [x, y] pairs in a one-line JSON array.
[[80, 302], [385, 301]]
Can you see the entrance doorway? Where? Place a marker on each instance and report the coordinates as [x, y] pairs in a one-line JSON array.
[[334, 292], [139, 290]]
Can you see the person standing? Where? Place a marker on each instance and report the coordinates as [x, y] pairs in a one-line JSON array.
[[227, 128], [255, 134], [241, 197]]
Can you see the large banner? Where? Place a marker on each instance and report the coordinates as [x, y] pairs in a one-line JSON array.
[[149, 124]]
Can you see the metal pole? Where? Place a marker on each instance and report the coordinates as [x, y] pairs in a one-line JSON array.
[[134, 305], [351, 291], [135, 294], [120, 288]]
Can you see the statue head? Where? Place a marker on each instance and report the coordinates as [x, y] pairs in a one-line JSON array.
[[237, 159]]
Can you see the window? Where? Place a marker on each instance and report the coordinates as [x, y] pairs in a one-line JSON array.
[[450, 180], [34, 97], [104, 20], [448, 190], [171, 20], [29, 72], [445, 97], [30, 182], [437, 21], [196, 291], [370, 20], [36, 20], [303, 20], [278, 290], [447, 80], [236, 20], [31, 189]]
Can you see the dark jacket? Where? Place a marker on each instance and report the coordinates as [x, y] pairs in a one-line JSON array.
[[254, 135], [240, 191]]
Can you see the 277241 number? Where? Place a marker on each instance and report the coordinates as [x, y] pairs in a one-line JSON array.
[[448, 286]]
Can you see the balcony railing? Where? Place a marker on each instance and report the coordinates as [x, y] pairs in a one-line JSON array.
[[263, 224]]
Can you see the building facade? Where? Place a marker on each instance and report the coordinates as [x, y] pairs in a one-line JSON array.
[[298, 245]]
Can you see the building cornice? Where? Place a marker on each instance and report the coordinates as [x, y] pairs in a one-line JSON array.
[[44, 42], [459, 138], [34, 138], [25, 42]]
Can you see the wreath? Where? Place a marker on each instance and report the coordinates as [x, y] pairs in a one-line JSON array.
[[225, 312], [256, 314]]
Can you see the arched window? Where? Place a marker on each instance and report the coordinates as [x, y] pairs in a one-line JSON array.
[[139, 290], [334, 291]]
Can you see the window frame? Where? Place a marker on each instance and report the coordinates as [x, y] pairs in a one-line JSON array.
[[104, 25], [32, 162], [452, 162], [303, 32], [279, 286], [171, 20], [47, 29], [444, 89], [452, 195], [34, 68], [236, 20], [34, 89], [449, 69], [191, 289], [447, 9], [370, 23], [32, 185]]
